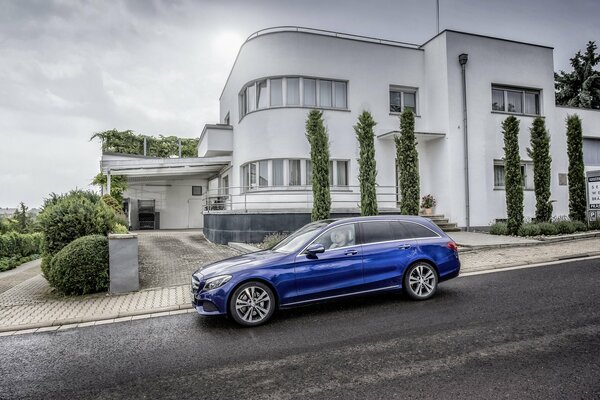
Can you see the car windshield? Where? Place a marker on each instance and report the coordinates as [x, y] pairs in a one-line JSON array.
[[296, 240]]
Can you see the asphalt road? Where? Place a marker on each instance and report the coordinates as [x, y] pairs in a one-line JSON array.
[[530, 333]]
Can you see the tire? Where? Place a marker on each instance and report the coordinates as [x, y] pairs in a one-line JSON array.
[[420, 281], [245, 308]]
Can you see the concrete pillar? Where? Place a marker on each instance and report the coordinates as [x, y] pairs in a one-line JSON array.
[[123, 263]]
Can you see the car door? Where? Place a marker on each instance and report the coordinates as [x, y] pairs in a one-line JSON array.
[[387, 251], [335, 272]]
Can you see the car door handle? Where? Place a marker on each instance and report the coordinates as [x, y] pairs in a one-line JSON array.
[[351, 252], [404, 246]]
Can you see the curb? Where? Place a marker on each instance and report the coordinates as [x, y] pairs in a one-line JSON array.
[[540, 241]]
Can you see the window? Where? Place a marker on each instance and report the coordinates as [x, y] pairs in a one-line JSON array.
[[293, 91], [591, 152], [276, 92], [526, 176], [376, 231], [261, 101], [277, 172], [263, 173], [416, 231], [308, 172], [401, 99], [339, 91], [253, 175], [294, 166], [331, 173], [338, 237], [310, 92], [325, 93], [245, 182], [516, 100], [225, 185], [342, 173], [196, 190]]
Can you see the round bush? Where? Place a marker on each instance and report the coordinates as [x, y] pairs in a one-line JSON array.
[[499, 228], [81, 267], [71, 216], [529, 230], [565, 226], [580, 226], [547, 228]]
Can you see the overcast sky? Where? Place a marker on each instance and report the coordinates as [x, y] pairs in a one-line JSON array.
[[72, 68]]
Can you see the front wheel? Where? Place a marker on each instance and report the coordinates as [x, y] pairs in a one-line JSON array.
[[420, 281], [252, 304]]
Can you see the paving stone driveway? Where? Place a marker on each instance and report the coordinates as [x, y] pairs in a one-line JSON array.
[[168, 258]]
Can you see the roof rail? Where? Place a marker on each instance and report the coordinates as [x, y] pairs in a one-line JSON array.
[[324, 32]]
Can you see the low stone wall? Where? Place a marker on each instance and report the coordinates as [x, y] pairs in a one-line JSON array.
[[123, 263], [251, 227]]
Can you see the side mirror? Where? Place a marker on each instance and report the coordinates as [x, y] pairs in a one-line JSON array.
[[314, 249]]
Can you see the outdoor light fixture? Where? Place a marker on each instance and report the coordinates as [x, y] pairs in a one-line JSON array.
[[463, 58]]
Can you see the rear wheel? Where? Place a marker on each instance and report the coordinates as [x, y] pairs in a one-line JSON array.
[[252, 304], [420, 281]]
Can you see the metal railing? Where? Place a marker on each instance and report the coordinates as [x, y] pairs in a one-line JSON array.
[[290, 197], [323, 32]]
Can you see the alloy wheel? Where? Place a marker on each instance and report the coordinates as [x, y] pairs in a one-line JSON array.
[[253, 304], [422, 281]]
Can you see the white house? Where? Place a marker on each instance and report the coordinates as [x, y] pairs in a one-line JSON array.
[[253, 167]]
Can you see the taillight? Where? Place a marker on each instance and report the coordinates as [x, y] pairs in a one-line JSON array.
[[452, 246]]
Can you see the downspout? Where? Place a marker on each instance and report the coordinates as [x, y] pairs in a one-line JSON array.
[[462, 59]]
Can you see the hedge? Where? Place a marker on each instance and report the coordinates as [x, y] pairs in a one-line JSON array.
[[18, 248], [81, 267], [558, 226]]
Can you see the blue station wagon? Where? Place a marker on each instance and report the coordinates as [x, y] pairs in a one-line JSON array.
[[325, 260]]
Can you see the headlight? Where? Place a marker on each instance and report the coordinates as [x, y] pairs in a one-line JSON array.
[[195, 283], [216, 282]]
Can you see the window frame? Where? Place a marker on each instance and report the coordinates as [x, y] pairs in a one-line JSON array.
[[516, 89], [403, 90], [526, 173]]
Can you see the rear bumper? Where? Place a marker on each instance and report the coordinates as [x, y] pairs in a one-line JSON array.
[[451, 270]]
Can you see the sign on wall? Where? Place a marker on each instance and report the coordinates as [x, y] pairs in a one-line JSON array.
[[593, 189]]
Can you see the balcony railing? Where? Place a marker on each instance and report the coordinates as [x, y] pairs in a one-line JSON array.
[[290, 197]]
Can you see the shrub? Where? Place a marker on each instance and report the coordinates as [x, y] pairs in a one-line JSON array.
[[81, 267], [120, 228], [499, 228], [272, 239], [367, 166], [317, 137], [580, 226], [72, 216], [428, 201], [548, 228], [15, 244], [576, 174], [117, 207], [595, 225], [513, 178], [540, 154], [565, 226], [530, 229], [408, 164]]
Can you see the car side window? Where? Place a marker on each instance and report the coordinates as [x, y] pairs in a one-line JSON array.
[[418, 231], [401, 231], [376, 231], [340, 236]]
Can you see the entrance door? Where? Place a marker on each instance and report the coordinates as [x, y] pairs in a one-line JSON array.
[[195, 215]]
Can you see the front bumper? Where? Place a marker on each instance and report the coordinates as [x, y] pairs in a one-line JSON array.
[[213, 302]]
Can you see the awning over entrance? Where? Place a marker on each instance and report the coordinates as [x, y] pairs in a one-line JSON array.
[[421, 136], [132, 165]]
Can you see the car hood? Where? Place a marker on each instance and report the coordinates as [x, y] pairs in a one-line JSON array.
[[240, 263]]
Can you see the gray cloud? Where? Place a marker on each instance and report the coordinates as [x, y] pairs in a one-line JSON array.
[[70, 68]]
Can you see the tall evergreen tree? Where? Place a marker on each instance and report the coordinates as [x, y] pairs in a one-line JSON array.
[[319, 157], [367, 175], [577, 200], [22, 218], [512, 175], [581, 87], [540, 154], [408, 164]]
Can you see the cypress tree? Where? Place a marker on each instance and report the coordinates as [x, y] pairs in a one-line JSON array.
[[319, 157], [513, 177], [408, 164], [366, 163], [540, 154], [577, 200]]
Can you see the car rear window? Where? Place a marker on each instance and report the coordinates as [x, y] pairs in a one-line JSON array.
[[415, 230]]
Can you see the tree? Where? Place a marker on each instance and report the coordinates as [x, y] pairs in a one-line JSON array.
[[367, 168], [118, 185], [22, 218], [540, 154], [576, 178], [408, 164], [513, 178], [319, 157], [581, 87]]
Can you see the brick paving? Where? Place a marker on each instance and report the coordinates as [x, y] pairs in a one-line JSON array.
[[31, 304], [168, 258]]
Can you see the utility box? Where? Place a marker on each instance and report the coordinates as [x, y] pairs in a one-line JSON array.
[[124, 273]]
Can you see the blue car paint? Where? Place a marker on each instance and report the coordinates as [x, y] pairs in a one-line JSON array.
[[297, 278]]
